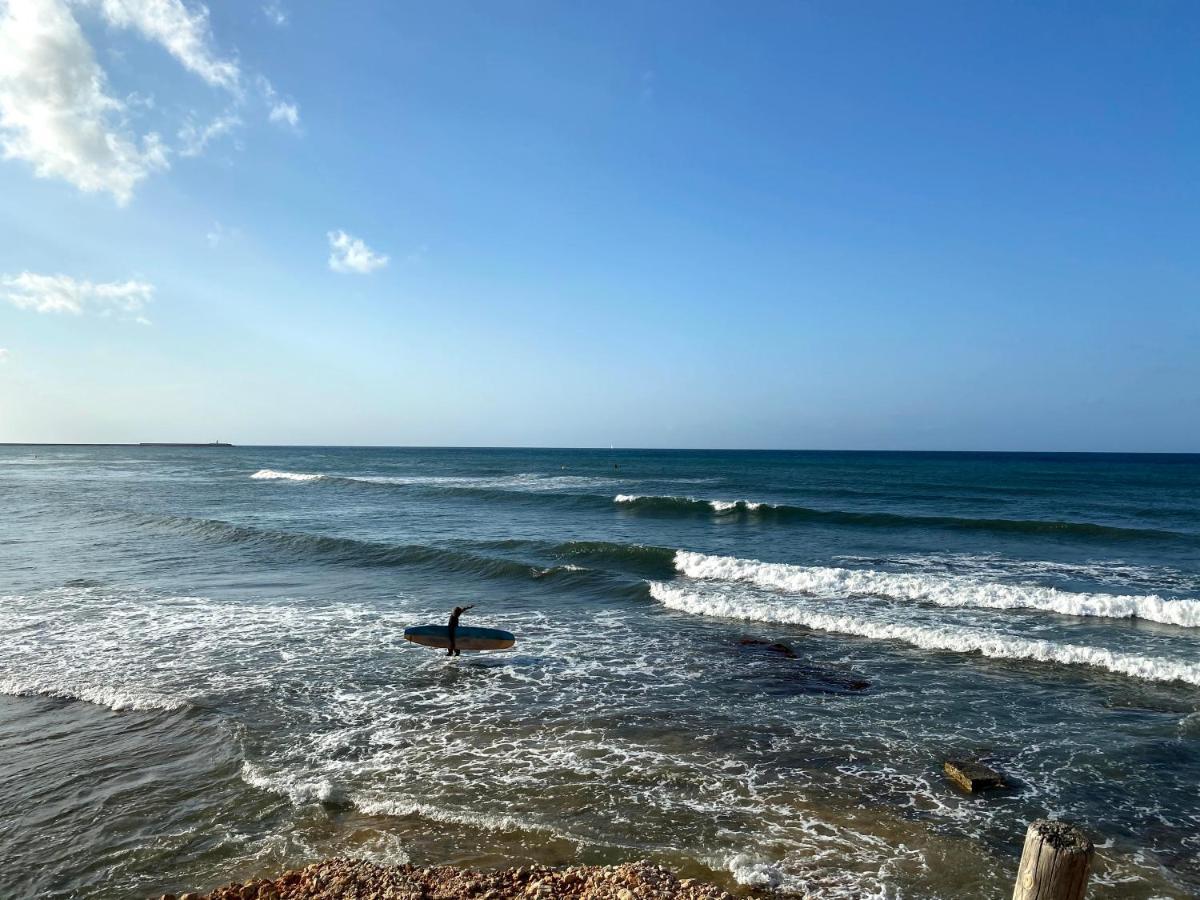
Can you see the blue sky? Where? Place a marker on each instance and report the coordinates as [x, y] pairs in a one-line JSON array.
[[827, 225]]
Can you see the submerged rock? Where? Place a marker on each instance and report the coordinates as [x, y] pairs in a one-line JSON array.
[[798, 677]]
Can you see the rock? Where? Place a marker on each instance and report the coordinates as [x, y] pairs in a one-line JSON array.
[[973, 776], [625, 894]]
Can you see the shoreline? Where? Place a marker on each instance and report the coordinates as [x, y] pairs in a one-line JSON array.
[[341, 877]]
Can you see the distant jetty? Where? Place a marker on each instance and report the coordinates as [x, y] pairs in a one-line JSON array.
[[169, 444], [141, 444]]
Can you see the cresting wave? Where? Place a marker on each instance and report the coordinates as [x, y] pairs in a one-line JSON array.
[[690, 503], [942, 590], [691, 506], [733, 605]]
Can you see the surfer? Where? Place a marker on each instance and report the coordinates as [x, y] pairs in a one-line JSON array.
[[453, 628]]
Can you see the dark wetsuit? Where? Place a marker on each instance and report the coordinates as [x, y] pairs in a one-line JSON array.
[[453, 629]]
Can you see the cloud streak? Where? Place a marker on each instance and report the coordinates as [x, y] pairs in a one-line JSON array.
[[183, 32], [348, 254], [64, 294]]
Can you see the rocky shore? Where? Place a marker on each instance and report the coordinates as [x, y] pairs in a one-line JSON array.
[[347, 879]]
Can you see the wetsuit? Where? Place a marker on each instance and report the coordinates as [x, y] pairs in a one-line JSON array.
[[453, 628]]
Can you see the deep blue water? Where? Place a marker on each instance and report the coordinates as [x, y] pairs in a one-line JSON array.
[[203, 673]]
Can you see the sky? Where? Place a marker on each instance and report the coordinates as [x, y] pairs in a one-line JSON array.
[[859, 225]]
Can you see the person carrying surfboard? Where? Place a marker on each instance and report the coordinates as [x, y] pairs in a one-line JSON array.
[[453, 628]]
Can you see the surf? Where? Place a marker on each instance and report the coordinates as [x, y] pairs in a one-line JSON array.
[[730, 604], [941, 590]]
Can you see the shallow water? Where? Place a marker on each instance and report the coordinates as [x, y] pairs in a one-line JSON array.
[[204, 675]]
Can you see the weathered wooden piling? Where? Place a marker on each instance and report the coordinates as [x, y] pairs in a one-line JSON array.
[[1055, 863]]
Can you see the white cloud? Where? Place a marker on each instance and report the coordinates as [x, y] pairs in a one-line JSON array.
[[184, 34], [286, 112], [195, 139], [3, 355], [349, 254], [64, 294], [275, 13], [54, 109], [283, 112]]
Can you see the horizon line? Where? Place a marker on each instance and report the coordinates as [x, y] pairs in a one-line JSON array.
[[205, 445]]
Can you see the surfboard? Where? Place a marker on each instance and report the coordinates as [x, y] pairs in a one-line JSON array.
[[465, 638]]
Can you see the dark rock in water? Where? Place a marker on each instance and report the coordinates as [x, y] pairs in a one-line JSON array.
[[787, 678], [776, 647], [973, 776]]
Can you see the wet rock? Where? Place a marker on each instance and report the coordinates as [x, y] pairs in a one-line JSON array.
[[972, 776]]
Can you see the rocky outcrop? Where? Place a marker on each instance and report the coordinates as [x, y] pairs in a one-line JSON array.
[[347, 879]]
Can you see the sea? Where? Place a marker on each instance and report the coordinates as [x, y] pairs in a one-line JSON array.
[[747, 666]]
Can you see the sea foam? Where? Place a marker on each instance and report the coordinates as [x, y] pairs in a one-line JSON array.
[[272, 475], [731, 604], [942, 590]]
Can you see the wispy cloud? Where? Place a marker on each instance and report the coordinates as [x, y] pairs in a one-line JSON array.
[[350, 254], [282, 112], [55, 112], [64, 294], [3, 355], [275, 13], [286, 112], [183, 32], [194, 139]]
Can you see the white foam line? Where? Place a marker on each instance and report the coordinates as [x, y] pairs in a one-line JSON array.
[[99, 695], [943, 590], [272, 475], [729, 605]]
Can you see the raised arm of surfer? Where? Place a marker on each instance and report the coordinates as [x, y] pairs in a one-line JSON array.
[[453, 628]]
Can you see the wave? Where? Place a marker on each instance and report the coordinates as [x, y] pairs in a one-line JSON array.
[[116, 699], [521, 482], [668, 503], [338, 550], [673, 505], [731, 605], [642, 559], [272, 475], [570, 558], [942, 590]]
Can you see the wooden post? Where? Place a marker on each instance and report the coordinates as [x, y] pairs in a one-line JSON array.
[[1055, 863]]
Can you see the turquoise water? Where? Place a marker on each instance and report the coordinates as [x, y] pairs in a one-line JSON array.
[[203, 673]]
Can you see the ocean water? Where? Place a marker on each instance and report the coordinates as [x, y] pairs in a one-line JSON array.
[[202, 673]]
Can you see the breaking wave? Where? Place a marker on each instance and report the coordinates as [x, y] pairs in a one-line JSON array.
[[114, 698], [733, 605], [272, 475], [942, 590]]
